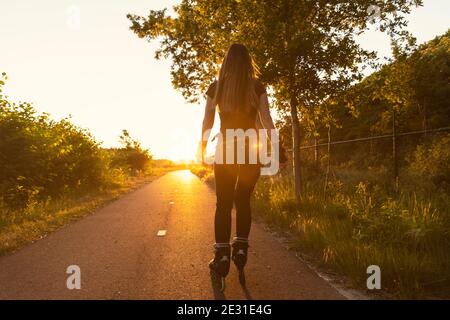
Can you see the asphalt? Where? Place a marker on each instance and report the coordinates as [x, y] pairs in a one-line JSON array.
[[121, 256]]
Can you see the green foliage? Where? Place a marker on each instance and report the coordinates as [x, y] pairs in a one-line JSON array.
[[415, 86], [431, 161], [420, 97], [305, 48], [42, 158]]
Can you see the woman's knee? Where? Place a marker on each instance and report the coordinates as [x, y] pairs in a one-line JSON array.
[[224, 207], [242, 202]]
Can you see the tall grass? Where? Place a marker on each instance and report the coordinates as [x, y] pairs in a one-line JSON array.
[[351, 225]]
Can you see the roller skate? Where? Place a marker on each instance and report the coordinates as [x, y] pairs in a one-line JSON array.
[[221, 262], [239, 256]]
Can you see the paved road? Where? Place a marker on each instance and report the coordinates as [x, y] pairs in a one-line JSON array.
[[121, 256]]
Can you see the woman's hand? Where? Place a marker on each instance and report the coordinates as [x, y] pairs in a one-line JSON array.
[[200, 156], [208, 122]]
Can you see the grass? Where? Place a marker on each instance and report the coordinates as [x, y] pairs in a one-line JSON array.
[[20, 227], [356, 223], [204, 173]]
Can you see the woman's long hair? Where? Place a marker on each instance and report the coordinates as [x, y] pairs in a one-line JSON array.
[[236, 84]]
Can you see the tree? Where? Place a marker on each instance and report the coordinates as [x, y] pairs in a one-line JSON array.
[[431, 88], [132, 154], [414, 85], [307, 50], [42, 159]]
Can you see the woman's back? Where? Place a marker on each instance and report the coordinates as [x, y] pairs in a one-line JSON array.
[[237, 118]]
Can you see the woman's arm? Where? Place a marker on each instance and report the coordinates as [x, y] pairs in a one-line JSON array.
[[208, 122], [264, 113], [265, 119]]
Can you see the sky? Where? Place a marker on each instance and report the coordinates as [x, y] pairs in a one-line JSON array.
[[106, 78]]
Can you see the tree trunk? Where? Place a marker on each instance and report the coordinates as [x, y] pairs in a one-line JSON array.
[[296, 148]]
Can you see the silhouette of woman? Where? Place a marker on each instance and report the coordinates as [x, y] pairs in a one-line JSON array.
[[242, 104]]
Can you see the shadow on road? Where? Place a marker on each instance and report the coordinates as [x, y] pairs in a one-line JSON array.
[[216, 286], [247, 293]]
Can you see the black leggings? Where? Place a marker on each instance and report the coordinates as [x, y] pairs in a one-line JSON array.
[[234, 184]]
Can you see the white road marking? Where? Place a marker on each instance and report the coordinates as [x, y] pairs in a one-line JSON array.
[[161, 233]]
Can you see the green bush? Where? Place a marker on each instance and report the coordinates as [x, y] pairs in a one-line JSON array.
[[131, 156], [42, 159]]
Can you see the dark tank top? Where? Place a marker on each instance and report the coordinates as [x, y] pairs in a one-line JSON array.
[[237, 120]]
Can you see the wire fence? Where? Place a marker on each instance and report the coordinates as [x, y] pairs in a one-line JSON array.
[[443, 129], [394, 145]]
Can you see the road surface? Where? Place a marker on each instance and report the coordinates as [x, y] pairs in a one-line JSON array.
[[121, 256]]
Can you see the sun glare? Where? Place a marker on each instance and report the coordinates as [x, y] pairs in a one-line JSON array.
[[182, 146]]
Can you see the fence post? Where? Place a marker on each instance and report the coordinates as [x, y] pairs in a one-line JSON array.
[[328, 159], [316, 152], [394, 150]]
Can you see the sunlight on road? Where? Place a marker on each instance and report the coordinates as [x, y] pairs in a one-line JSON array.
[[184, 176]]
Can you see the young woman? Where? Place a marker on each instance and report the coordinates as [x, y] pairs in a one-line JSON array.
[[242, 104]]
